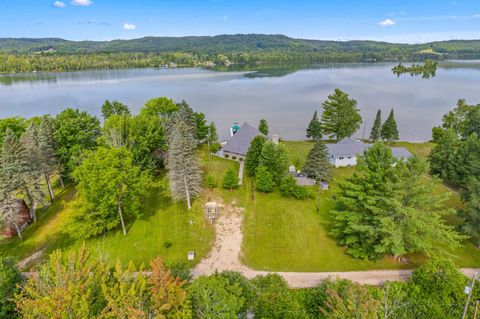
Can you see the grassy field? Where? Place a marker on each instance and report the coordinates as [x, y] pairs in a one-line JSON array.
[[288, 235], [162, 221]]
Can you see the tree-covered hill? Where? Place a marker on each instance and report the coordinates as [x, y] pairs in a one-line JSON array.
[[241, 43]]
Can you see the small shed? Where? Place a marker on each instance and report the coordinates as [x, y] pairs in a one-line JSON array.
[[24, 212], [212, 211], [324, 186], [292, 170]]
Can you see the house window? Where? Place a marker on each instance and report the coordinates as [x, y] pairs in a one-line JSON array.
[[349, 157], [340, 158]]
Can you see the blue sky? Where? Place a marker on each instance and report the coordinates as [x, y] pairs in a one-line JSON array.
[[409, 21]]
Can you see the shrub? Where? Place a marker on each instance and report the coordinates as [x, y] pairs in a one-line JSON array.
[[211, 182], [10, 277], [230, 179], [263, 180], [215, 147], [167, 244], [181, 269], [289, 188]]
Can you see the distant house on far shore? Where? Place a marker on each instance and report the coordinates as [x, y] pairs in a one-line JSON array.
[[237, 146], [345, 152]]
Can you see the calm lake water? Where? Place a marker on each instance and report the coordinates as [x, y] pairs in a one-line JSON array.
[[286, 100]]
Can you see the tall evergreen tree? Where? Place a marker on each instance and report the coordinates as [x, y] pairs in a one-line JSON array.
[[376, 133], [263, 127], [389, 129], [182, 163], [40, 144], [341, 117], [388, 207], [317, 164], [314, 129], [21, 172], [252, 158]]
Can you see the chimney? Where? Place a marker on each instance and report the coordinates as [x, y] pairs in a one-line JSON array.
[[275, 138]]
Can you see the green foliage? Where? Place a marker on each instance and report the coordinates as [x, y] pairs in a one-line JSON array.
[[10, 280], [318, 164], [289, 188], [274, 157], [275, 300], [16, 124], [389, 131], [111, 188], [341, 117], [388, 207], [162, 107], [202, 127], [230, 179], [75, 132], [252, 158], [211, 181], [314, 129], [263, 180], [436, 290], [212, 137], [376, 132], [67, 285], [216, 297], [344, 299], [114, 108], [456, 158], [263, 127], [428, 69]]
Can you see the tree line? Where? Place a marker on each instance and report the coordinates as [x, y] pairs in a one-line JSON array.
[[75, 285], [111, 165]]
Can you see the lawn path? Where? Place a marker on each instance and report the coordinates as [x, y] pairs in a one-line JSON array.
[[226, 254]]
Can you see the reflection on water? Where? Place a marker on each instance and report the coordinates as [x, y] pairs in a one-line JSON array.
[[286, 97]]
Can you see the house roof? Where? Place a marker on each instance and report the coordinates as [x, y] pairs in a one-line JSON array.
[[346, 147], [240, 142], [349, 147], [401, 152]]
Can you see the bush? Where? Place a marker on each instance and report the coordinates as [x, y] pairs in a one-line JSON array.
[[215, 147], [263, 180], [180, 269], [289, 188], [167, 244], [10, 277], [211, 182], [230, 179]]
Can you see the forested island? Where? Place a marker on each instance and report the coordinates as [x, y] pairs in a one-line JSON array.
[[427, 70], [53, 54]]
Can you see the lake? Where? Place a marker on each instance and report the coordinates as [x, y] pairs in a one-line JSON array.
[[286, 99]]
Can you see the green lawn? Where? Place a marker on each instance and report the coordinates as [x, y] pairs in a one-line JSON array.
[[288, 235], [161, 221]]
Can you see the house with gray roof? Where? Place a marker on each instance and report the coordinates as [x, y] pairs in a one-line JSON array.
[[237, 146], [345, 152]]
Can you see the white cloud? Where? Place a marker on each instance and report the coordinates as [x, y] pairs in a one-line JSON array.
[[82, 3], [386, 23], [129, 26], [59, 4], [476, 16]]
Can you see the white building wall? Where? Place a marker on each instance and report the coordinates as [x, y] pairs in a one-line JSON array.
[[345, 161]]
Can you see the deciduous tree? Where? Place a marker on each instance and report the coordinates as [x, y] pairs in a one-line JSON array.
[[274, 158], [114, 107], [263, 127], [111, 187]]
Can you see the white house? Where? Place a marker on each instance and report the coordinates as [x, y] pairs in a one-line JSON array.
[[345, 152]]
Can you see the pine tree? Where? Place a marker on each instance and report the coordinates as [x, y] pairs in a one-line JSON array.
[[340, 117], [211, 182], [263, 127], [21, 171], [317, 164], [375, 135], [230, 179], [252, 158], [264, 180], [314, 129], [389, 129], [182, 163], [39, 141]]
